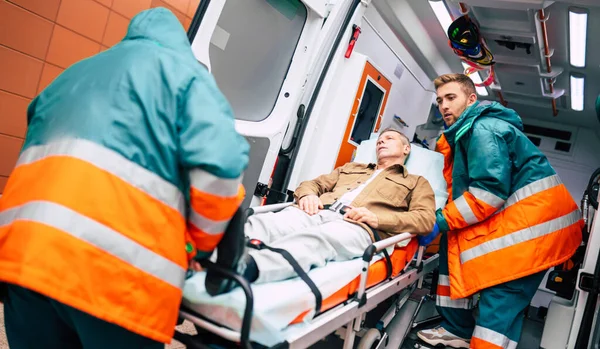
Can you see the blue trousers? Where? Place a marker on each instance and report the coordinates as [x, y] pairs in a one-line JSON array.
[[501, 308], [34, 321]]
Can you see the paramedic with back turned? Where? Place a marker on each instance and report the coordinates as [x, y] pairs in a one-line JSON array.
[[131, 166], [508, 220]]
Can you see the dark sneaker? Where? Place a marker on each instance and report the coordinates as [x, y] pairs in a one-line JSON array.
[[439, 336]]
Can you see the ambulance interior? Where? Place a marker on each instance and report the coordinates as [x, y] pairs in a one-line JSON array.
[[312, 80]]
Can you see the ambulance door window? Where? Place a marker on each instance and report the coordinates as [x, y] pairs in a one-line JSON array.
[[368, 111], [251, 50]]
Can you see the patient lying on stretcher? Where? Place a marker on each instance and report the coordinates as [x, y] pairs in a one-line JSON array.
[[334, 212]]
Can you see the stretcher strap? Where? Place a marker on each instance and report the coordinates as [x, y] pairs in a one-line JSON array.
[[290, 259], [388, 260]]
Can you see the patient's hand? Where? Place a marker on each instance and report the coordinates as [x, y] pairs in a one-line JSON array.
[[310, 204], [361, 214]]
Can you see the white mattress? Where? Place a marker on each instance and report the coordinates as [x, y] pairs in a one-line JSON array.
[[275, 304]]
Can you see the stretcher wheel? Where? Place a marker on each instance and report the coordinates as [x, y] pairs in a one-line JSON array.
[[369, 340]]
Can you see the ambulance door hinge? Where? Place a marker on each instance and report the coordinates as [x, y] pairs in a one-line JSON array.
[[589, 282]]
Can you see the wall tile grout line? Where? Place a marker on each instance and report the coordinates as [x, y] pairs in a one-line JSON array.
[[25, 53], [110, 11], [29, 56], [101, 4], [37, 87], [11, 136], [80, 34], [16, 94], [33, 13]]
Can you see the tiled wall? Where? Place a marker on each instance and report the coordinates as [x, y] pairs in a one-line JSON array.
[[40, 38]]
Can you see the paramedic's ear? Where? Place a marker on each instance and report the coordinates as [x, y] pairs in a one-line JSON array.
[[471, 99]]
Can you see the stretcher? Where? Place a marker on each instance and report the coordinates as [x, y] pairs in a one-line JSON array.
[[282, 314]]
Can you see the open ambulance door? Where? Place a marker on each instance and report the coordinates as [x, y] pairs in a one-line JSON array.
[[269, 58], [259, 52]]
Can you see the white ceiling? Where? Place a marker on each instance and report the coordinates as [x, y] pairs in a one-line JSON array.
[[516, 71]]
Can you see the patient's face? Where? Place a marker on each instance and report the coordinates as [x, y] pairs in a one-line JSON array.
[[391, 145], [453, 100]]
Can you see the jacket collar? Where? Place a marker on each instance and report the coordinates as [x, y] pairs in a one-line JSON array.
[[397, 168], [466, 120]]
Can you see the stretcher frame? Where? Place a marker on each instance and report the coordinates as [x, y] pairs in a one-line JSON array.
[[346, 318]]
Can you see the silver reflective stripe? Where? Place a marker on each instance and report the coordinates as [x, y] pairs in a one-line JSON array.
[[521, 236], [111, 162], [494, 337], [447, 302], [209, 183], [487, 197], [465, 210], [207, 225], [444, 280], [99, 235], [532, 189]]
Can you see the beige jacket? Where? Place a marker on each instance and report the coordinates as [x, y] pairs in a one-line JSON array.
[[402, 202]]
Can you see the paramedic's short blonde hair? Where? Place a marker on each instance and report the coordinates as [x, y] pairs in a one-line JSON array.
[[405, 139], [465, 82]]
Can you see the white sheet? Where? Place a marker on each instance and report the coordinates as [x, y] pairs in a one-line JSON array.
[[275, 304]]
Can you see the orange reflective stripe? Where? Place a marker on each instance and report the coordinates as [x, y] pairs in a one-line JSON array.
[[486, 338], [521, 236], [468, 210], [102, 237], [207, 182], [519, 216], [480, 209], [526, 256], [487, 198], [453, 216], [443, 290], [112, 162], [477, 343], [513, 262], [210, 216], [204, 241], [534, 188], [73, 272], [214, 207], [443, 299], [100, 196]]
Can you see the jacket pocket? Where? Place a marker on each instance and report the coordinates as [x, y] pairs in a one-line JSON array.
[[395, 191], [349, 176], [486, 228]]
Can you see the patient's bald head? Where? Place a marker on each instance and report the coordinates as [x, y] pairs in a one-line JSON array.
[[393, 147]]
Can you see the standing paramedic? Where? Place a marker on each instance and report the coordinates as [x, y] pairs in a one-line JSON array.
[[131, 165], [508, 220]]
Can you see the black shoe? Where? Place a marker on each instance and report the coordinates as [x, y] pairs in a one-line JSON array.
[[231, 255]]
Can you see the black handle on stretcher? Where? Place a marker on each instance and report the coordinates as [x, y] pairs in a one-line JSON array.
[[243, 283]]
